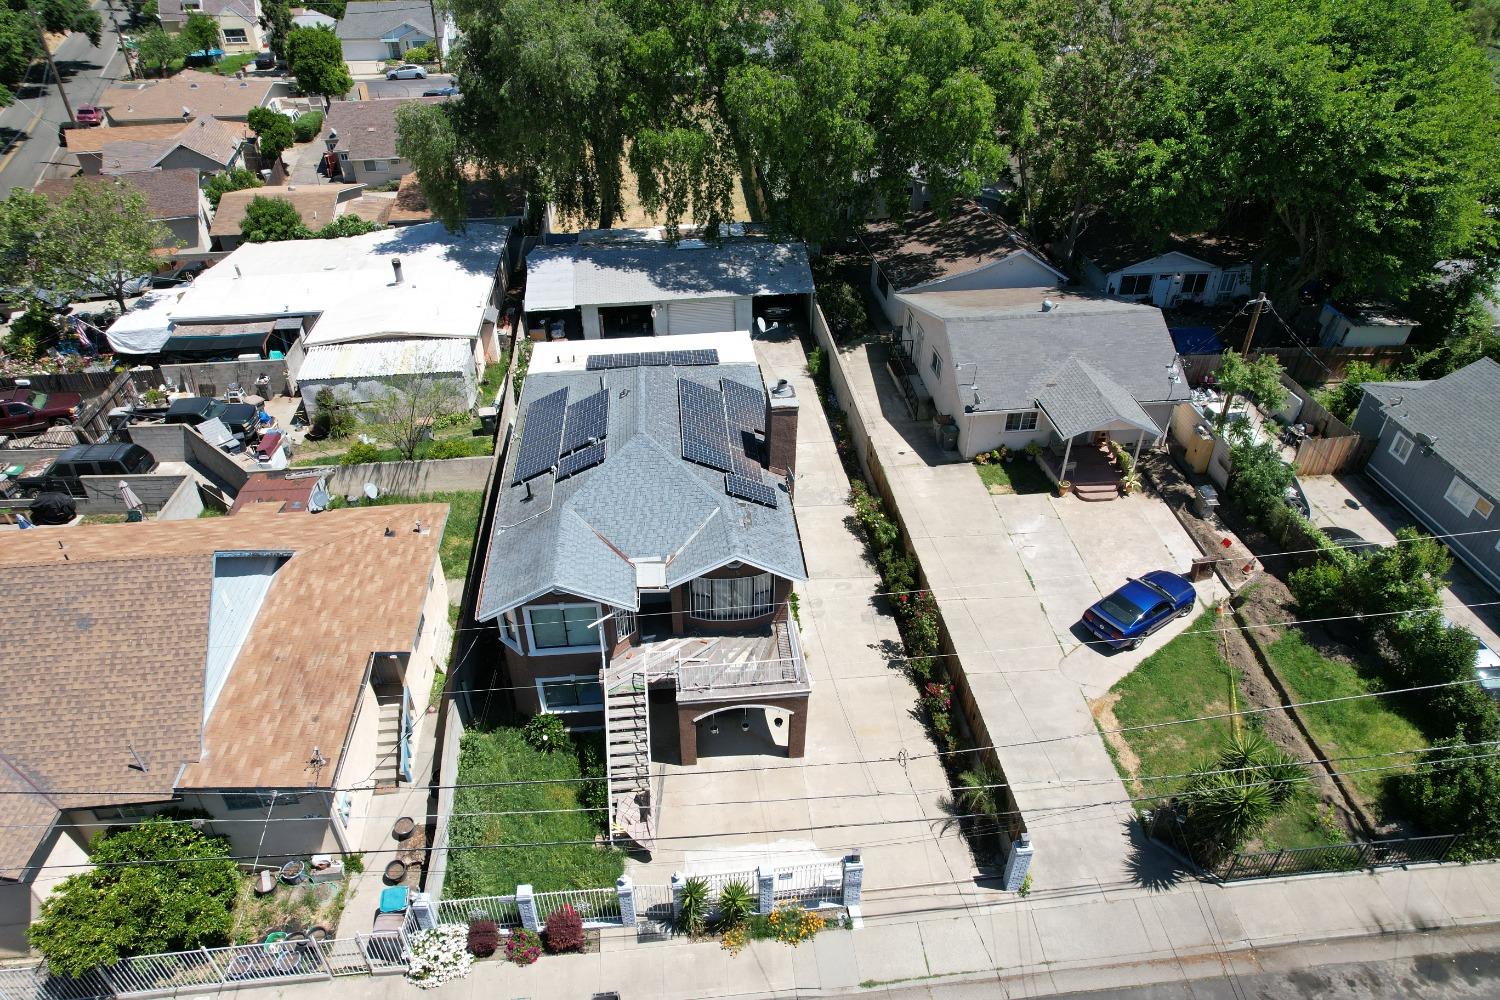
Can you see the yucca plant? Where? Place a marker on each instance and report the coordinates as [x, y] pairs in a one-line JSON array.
[[1253, 757], [736, 904], [693, 917]]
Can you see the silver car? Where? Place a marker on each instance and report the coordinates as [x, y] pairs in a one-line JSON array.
[[410, 71]]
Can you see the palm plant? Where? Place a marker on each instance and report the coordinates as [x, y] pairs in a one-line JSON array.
[[693, 917], [976, 789], [736, 904]]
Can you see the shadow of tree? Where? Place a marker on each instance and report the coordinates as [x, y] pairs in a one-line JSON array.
[[1151, 864]]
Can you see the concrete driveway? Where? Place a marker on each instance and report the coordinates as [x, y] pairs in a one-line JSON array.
[[1352, 501]]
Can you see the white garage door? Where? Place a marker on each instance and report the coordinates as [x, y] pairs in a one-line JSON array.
[[702, 315]]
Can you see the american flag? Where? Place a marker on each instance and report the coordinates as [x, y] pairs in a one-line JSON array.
[[80, 330]]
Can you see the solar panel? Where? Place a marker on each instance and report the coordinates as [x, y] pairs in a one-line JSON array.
[[749, 489], [705, 437], [746, 406], [580, 460], [541, 434], [650, 358], [703, 357], [601, 362], [588, 420]]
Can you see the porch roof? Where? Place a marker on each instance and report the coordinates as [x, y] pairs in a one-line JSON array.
[[1078, 399]]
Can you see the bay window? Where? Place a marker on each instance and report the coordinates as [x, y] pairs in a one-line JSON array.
[[732, 598], [562, 628]]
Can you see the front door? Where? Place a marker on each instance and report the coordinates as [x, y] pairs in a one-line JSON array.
[[1162, 290], [655, 616]]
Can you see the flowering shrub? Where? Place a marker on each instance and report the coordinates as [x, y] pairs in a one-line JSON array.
[[735, 938], [564, 931], [792, 924], [523, 947], [439, 955], [938, 697]]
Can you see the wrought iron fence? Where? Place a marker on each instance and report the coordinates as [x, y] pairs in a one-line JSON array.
[[809, 885], [596, 906], [1335, 858], [34, 982], [501, 909]]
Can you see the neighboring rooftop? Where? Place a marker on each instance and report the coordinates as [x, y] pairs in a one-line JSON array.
[[1371, 314], [288, 495], [1456, 416], [94, 140], [93, 604], [1013, 349], [377, 358], [171, 10], [367, 129], [364, 19], [1112, 246], [925, 246], [316, 204], [348, 284], [170, 194], [202, 93], [641, 499], [615, 273]]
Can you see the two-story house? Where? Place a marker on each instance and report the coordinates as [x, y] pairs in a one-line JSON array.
[[644, 550]]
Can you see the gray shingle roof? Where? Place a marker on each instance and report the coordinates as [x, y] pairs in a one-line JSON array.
[[367, 129], [363, 19], [1460, 414], [1011, 349], [643, 501], [653, 270], [1078, 398]]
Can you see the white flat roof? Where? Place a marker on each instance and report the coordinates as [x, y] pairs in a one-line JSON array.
[[573, 355], [349, 284], [374, 358]]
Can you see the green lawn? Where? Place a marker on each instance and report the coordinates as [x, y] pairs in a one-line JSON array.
[[1186, 679], [464, 507], [1348, 728], [502, 755], [465, 446], [1019, 475], [230, 65]]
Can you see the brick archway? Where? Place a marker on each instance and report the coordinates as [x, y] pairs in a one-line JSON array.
[[689, 714]]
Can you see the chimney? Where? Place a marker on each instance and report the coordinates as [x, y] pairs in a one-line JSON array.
[[781, 428], [396, 266]]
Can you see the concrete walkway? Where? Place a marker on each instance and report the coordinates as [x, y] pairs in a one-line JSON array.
[[1012, 574]]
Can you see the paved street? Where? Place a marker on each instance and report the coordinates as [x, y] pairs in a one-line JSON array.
[[379, 86], [28, 128]]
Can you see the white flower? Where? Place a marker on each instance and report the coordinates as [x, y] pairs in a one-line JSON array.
[[439, 955]]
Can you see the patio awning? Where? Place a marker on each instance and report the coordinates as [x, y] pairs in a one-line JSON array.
[[1079, 399], [216, 339]]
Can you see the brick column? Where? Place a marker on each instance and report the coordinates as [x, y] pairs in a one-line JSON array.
[[526, 903], [687, 735], [678, 882], [796, 737], [854, 880], [425, 910], [625, 889]]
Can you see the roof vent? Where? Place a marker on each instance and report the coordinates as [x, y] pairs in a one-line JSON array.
[[396, 266], [783, 388], [1048, 305]]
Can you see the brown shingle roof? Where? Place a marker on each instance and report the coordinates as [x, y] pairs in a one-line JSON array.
[[290, 496], [204, 93], [924, 246], [171, 194], [118, 615], [212, 138], [317, 205], [367, 129], [91, 140]]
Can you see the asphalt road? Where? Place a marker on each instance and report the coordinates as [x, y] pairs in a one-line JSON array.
[[381, 87], [28, 128]]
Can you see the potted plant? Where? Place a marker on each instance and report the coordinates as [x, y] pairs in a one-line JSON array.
[[1033, 449], [1063, 486]]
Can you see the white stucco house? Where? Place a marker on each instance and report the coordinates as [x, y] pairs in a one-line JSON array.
[[1206, 269], [971, 248]]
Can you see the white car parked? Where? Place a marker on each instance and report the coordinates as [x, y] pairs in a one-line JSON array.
[[410, 71]]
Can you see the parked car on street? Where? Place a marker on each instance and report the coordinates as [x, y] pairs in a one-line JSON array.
[[65, 472], [441, 92], [410, 71], [182, 275], [1350, 541], [240, 418], [1126, 617], [89, 115], [23, 411]]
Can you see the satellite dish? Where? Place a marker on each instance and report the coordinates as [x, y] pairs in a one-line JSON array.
[[371, 491]]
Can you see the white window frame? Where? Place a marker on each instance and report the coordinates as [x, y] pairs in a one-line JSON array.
[[1025, 420], [1401, 447], [561, 650], [744, 597], [1147, 278], [244, 38], [510, 631], [541, 694], [1467, 498], [936, 365]]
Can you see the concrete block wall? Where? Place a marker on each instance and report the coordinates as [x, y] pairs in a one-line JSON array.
[[410, 478], [102, 493], [221, 374]]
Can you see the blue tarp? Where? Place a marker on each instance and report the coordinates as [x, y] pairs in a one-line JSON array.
[[1196, 340]]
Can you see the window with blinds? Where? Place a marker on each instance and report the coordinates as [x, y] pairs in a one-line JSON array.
[[732, 599]]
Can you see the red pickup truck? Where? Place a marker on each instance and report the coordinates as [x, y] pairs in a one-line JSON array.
[[24, 411]]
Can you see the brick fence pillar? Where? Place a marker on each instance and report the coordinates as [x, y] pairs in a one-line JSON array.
[[1019, 863], [766, 883], [625, 889], [678, 881]]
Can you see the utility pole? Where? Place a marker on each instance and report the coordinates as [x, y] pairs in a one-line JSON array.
[[437, 35], [120, 35], [1259, 304], [41, 38]]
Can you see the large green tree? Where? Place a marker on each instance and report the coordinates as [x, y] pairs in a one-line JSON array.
[[158, 886], [201, 33], [276, 21], [427, 137], [156, 50], [1359, 140], [268, 220], [316, 58], [274, 133]]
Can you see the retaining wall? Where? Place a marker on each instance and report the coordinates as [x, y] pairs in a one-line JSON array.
[[408, 478]]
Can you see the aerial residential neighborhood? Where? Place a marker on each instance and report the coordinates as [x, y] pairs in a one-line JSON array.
[[906, 499]]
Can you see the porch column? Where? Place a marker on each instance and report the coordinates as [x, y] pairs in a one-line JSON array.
[[687, 736], [1067, 453], [1139, 437], [796, 737]]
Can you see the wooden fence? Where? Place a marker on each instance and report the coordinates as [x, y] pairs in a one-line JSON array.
[[1309, 366], [1332, 446]]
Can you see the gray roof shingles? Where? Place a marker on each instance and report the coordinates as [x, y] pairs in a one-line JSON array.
[[1460, 414], [1078, 398], [364, 19], [652, 270], [644, 501]]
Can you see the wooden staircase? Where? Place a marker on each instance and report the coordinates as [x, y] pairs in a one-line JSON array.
[[627, 748]]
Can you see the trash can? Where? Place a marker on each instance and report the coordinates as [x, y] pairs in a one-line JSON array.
[[1207, 500]]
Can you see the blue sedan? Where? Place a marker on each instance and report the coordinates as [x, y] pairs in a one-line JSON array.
[[1125, 618]]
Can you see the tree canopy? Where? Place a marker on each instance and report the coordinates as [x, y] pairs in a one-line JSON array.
[[237, 179], [274, 133], [276, 21], [200, 34], [315, 57], [155, 49], [270, 219], [120, 908]]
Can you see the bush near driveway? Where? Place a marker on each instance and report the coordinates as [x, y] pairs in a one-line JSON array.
[[503, 755]]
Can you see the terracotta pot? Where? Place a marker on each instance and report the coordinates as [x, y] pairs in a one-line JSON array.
[[404, 828]]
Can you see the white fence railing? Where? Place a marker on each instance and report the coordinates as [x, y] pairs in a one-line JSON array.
[[809, 885], [213, 968], [713, 676], [597, 907], [501, 909]]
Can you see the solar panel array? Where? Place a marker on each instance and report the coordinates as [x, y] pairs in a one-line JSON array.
[[749, 489], [588, 420], [705, 435], [585, 458], [746, 406], [646, 359], [541, 435]]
